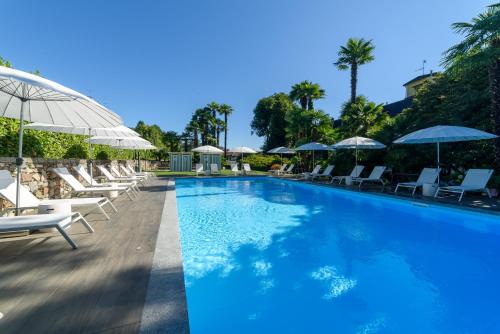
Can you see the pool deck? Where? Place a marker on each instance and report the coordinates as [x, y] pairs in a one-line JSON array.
[[46, 287]]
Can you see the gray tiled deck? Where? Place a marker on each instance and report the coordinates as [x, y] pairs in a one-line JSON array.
[[46, 287]]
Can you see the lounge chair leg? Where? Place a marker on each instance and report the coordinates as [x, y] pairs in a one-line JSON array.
[[461, 195], [413, 192], [488, 192], [103, 211], [128, 194], [66, 236], [396, 190], [112, 205], [78, 217]]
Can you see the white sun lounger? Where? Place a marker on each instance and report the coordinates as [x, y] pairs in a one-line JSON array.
[[315, 171], [79, 188], [234, 168], [214, 169], [278, 171], [326, 173], [356, 172], [199, 169], [474, 181], [289, 170], [117, 182], [133, 172], [36, 222], [246, 169], [118, 177], [93, 183], [8, 188], [375, 176], [143, 179], [427, 175]]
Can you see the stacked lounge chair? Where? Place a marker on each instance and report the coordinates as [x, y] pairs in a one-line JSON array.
[[8, 188], [375, 176], [326, 173], [120, 182], [79, 188]]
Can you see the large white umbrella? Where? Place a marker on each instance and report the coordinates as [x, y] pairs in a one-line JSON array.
[[118, 131], [281, 150], [242, 150], [313, 146], [357, 143], [125, 143], [31, 98], [208, 149], [443, 134]]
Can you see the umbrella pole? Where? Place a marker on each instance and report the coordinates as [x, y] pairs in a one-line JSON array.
[[438, 162], [90, 160], [19, 160]]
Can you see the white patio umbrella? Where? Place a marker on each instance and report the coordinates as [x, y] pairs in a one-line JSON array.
[[281, 150], [207, 149], [118, 131], [28, 97], [443, 134], [125, 143], [313, 146], [357, 143], [243, 150]]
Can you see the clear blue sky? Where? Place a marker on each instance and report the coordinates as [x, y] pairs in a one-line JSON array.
[[158, 61]]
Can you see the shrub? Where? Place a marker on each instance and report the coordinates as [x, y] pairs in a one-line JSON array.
[[261, 162], [275, 166], [102, 155]]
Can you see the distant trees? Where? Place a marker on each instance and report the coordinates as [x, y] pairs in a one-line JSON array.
[[361, 117], [481, 48], [355, 53], [305, 93]]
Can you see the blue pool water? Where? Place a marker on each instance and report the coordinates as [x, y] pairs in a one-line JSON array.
[[273, 256]]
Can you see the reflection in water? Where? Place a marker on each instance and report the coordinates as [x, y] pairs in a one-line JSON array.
[[271, 256]]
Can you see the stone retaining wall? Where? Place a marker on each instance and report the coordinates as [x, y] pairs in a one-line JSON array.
[[36, 175]]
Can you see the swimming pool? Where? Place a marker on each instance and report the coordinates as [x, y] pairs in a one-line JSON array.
[[263, 255]]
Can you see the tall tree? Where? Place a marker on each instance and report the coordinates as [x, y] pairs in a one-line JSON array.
[[305, 93], [269, 119], [362, 116], [355, 53], [481, 47], [225, 110]]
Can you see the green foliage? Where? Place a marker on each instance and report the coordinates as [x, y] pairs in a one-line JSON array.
[[303, 126], [362, 117], [305, 93], [102, 155], [261, 162], [269, 119], [77, 151]]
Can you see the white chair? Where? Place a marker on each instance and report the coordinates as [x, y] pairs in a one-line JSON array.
[[27, 200], [326, 173], [119, 182], [118, 177], [356, 172], [214, 169], [375, 176], [427, 175], [289, 170], [278, 171], [474, 181], [79, 188], [143, 179], [234, 168], [145, 174], [199, 169], [246, 169], [58, 221], [315, 171], [93, 183]]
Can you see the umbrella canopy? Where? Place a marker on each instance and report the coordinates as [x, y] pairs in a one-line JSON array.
[[358, 143], [117, 131], [312, 147], [243, 149], [443, 134], [281, 150], [119, 142], [29, 97], [208, 149]]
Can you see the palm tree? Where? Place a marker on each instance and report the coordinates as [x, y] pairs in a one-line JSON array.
[[481, 47], [225, 110], [305, 93], [356, 52]]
